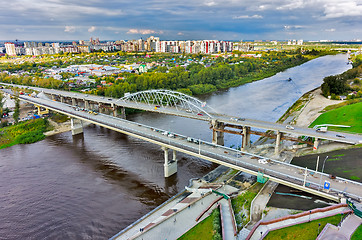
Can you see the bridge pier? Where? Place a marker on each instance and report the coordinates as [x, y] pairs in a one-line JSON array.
[[115, 111], [100, 109], [170, 167], [217, 137], [277, 142], [62, 99], [246, 138], [76, 126], [316, 144], [74, 101], [86, 104]]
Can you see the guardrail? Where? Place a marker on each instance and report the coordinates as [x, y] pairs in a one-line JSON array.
[[230, 156]]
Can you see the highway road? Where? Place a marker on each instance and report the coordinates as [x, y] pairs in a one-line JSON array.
[[277, 171], [296, 131]]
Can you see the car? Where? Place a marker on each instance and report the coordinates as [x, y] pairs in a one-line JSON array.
[[241, 119], [234, 119], [110, 99], [200, 114], [188, 110], [340, 136], [289, 127], [157, 106], [86, 95], [171, 135], [102, 97], [165, 133]]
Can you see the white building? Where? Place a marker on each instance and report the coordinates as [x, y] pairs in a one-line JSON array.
[[10, 49]]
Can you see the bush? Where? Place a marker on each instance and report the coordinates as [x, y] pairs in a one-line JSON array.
[[30, 137]]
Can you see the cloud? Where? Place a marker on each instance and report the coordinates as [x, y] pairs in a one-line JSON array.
[[70, 29], [248, 17], [92, 29], [293, 27], [210, 3], [180, 33], [143, 31], [342, 8], [330, 30]]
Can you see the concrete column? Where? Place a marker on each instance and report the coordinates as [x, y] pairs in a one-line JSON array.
[[170, 167], [246, 138], [123, 112], [316, 144], [217, 137], [74, 101], [39, 111], [76, 126], [277, 142], [86, 104], [61, 99], [53, 97], [100, 109]]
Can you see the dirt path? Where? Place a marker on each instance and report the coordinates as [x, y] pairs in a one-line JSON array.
[[313, 108]]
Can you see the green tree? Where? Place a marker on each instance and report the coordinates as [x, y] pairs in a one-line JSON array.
[[1, 104]]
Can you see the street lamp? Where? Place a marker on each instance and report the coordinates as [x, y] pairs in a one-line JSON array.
[[320, 180], [319, 225]]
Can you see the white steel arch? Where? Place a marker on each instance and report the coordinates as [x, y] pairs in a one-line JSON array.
[[167, 98]]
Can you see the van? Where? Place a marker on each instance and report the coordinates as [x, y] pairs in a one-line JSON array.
[[321, 129]]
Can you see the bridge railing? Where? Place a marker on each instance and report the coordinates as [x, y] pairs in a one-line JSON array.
[[235, 160]]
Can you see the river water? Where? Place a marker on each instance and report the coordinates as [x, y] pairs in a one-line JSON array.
[[94, 185]]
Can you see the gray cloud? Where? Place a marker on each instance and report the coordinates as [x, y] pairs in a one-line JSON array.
[[225, 19]]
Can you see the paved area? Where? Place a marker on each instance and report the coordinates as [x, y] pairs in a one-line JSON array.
[[177, 216], [310, 217], [260, 202], [227, 220], [345, 231]]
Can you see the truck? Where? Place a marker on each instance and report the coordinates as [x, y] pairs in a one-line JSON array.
[[321, 129]]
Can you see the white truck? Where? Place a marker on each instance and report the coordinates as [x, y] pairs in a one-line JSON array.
[[321, 129]]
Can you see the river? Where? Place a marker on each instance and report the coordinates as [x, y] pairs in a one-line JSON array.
[[94, 185]]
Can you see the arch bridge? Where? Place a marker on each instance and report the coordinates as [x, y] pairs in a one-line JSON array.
[[167, 98]]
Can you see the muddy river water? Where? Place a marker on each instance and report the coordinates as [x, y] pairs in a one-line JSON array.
[[93, 186]]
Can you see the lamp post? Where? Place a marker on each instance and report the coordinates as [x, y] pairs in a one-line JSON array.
[[320, 180], [319, 225]]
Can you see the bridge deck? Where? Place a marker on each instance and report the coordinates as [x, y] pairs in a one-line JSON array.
[[277, 171]]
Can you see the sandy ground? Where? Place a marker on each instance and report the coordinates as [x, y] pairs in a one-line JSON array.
[[313, 108], [58, 128]]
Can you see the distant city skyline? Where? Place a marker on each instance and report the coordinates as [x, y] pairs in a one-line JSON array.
[[64, 20]]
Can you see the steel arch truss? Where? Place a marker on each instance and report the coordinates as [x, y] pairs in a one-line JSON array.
[[167, 98]]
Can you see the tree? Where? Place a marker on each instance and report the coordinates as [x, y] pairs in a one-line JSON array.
[[17, 110]]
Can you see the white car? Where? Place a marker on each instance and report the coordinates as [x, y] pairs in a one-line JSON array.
[[289, 127]]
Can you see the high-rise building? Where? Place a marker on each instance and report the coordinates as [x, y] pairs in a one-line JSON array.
[[10, 49]]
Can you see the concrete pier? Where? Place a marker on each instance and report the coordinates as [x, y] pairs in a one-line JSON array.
[[246, 138], [316, 144], [278, 143], [76, 126], [86, 104], [217, 137], [170, 167], [74, 101]]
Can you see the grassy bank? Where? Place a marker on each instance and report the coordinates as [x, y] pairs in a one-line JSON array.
[[350, 115], [208, 229], [241, 205], [26, 132], [304, 231]]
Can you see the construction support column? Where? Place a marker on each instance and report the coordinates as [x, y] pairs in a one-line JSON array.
[[217, 136], [76, 126], [123, 112], [86, 104], [277, 142], [100, 110], [316, 144], [74, 101], [61, 99], [39, 110], [246, 138], [170, 167]]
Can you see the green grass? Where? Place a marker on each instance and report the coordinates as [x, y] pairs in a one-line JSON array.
[[350, 115], [203, 230], [357, 235], [304, 231], [25, 132], [354, 178], [243, 201]]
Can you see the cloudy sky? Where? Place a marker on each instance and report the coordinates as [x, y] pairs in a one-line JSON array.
[[184, 19]]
